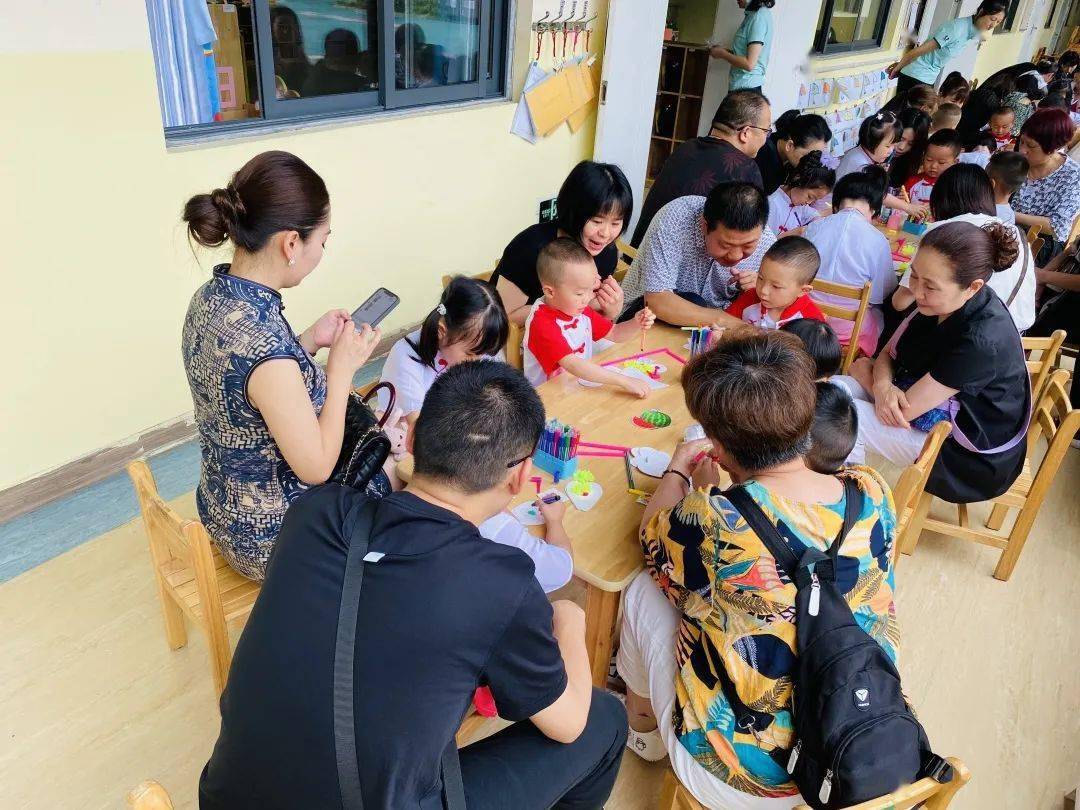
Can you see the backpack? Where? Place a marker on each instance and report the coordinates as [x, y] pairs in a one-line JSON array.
[[855, 737]]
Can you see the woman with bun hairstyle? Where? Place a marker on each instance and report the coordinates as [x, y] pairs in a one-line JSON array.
[[957, 356], [794, 136], [791, 206], [271, 420]]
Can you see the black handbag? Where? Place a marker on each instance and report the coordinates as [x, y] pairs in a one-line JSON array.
[[364, 447]]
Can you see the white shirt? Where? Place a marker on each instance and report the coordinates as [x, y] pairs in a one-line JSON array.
[[411, 378], [551, 335], [1003, 283], [554, 566], [785, 216], [980, 159], [1005, 213], [854, 160], [853, 252]]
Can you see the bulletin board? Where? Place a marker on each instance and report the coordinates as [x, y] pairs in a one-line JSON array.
[[855, 96]]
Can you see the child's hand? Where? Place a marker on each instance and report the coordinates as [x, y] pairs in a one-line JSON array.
[[553, 513], [919, 213], [639, 388], [646, 318], [746, 279]]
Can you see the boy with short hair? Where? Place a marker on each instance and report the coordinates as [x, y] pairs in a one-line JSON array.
[[946, 116], [561, 327], [1001, 125], [942, 151], [1007, 171], [835, 429], [783, 285]]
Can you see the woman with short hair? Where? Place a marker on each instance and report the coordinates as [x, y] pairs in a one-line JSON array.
[[594, 207], [1050, 197], [711, 620]]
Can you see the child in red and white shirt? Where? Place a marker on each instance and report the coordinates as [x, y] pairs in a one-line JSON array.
[[784, 281], [561, 327], [1001, 127], [942, 151]]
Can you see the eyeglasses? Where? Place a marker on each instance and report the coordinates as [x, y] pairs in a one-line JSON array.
[[532, 452], [766, 130]]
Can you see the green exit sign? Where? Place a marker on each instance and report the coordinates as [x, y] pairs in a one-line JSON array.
[[548, 210]]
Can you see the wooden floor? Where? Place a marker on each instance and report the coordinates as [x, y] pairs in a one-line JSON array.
[[93, 701]]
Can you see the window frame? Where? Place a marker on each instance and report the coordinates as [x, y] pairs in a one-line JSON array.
[[1011, 13], [493, 60], [1050, 16], [822, 46]]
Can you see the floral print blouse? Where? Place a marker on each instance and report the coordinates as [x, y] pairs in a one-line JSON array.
[[1056, 197]]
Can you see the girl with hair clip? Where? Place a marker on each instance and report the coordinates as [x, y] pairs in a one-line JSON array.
[[878, 136], [956, 357], [468, 323], [795, 135], [791, 206]]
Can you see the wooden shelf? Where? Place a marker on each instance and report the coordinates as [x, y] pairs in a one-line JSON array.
[[679, 93]]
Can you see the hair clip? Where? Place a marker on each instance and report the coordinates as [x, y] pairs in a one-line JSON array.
[[441, 308], [879, 117]]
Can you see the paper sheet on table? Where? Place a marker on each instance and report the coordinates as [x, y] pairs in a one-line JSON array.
[[638, 374], [522, 125]]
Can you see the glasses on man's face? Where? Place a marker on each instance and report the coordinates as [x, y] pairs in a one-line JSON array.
[[766, 130]]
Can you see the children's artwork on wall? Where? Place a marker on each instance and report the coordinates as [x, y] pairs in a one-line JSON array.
[[804, 96]]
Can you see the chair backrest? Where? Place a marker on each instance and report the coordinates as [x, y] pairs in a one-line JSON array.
[[912, 483], [165, 529], [627, 254], [1056, 421], [1048, 349], [149, 795], [478, 277], [514, 340], [926, 793], [856, 316]]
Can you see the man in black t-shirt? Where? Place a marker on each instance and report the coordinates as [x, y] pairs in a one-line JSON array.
[[441, 611], [740, 127]]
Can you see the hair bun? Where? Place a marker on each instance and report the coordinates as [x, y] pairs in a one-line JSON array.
[[1006, 246], [811, 160], [228, 202]]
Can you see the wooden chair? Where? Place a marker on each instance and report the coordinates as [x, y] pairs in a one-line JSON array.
[[926, 793], [1048, 350], [478, 277], [856, 316], [149, 796], [1056, 422], [193, 579], [514, 340], [1035, 241], [627, 254], [910, 488]]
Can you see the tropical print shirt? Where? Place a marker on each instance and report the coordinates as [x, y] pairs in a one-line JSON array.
[[738, 614]]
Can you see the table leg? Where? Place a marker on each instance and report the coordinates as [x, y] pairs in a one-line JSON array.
[[601, 611]]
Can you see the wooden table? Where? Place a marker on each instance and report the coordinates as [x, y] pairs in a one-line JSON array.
[[895, 238], [607, 553]]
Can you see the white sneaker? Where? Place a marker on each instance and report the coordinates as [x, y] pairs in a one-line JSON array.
[[648, 745]]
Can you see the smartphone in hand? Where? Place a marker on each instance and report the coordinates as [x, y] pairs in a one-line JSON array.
[[381, 303]]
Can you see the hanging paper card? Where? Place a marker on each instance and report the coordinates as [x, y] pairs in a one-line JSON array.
[[522, 125], [550, 103], [804, 96], [847, 89], [815, 94], [827, 88], [591, 75]]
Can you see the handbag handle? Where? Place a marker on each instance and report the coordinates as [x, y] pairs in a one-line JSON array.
[[390, 405]]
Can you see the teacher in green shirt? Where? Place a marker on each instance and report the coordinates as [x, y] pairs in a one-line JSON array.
[[750, 49], [923, 65]]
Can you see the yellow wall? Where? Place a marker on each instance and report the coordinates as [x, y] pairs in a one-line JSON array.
[[97, 272], [998, 52]]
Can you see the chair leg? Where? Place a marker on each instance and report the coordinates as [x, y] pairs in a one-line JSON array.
[[667, 792], [962, 515], [1017, 538], [997, 517], [175, 626], [915, 524]]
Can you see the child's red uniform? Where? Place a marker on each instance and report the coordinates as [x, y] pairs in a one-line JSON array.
[[748, 307], [919, 188]]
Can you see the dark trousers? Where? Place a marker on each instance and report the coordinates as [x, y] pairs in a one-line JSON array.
[[522, 769], [1062, 312], [905, 83], [638, 304]]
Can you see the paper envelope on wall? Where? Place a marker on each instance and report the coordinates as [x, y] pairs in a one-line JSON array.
[[589, 78], [550, 103]]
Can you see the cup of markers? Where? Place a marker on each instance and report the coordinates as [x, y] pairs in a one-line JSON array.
[[700, 339], [557, 451]]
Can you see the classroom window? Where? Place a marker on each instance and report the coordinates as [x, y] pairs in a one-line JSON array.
[[237, 64], [851, 25], [1010, 17], [1050, 16]]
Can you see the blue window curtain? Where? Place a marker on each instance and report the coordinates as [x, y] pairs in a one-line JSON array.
[[182, 36]]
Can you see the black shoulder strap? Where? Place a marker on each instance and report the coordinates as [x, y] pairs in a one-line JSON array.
[[363, 517], [767, 532]]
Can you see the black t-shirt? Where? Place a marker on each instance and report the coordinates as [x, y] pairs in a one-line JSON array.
[[442, 613], [977, 351], [771, 165], [518, 262], [695, 167]]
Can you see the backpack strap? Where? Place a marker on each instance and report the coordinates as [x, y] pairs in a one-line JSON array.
[[1023, 268], [363, 517], [770, 536]]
